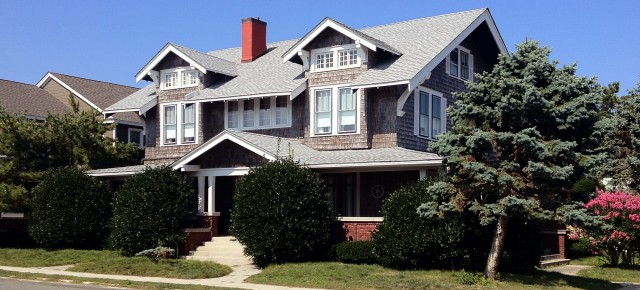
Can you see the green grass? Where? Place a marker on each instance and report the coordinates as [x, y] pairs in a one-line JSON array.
[[612, 274], [109, 262], [105, 282], [345, 276], [589, 261], [141, 266]]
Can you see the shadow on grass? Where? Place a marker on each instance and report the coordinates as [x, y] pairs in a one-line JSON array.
[[546, 279]]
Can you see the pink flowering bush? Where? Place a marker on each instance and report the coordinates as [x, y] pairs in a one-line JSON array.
[[618, 234]]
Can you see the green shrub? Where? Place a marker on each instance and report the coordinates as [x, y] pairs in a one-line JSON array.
[[583, 190], [149, 210], [580, 248], [407, 240], [70, 209], [13, 198], [355, 252], [282, 213]]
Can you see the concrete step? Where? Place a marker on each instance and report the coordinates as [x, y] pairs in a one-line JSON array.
[[550, 257], [224, 261], [208, 245], [554, 263], [219, 254]]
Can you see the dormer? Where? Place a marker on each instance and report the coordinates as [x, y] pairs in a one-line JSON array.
[[175, 66], [331, 45]]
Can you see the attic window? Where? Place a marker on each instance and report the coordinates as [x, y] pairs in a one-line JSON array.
[[460, 64], [324, 59], [180, 77]]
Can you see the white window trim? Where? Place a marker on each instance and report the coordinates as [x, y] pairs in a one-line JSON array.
[[335, 105], [256, 115], [141, 141], [179, 108], [179, 71], [416, 112], [336, 57], [448, 63]]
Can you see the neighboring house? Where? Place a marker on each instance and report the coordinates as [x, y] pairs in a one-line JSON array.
[[357, 106], [97, 95], [29, 100]]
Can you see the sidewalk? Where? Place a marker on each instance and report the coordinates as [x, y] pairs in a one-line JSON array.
[[229, 281], [572, 270]]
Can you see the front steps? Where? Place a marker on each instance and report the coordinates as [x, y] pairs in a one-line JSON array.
[[223, 250], [549, 261]]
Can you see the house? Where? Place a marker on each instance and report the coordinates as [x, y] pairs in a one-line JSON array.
[[32, 101], [96, 95], [357, 106]]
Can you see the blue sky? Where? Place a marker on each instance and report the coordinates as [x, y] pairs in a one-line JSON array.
[[112, 40]]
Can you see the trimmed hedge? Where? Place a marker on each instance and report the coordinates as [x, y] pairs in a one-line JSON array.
[[282, 213], [70, 209], [149, 210], [355, 252]]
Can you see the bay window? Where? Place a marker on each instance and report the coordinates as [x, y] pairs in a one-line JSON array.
[[430, 113], [459, 64], [334, 111], [260, 113], [186, 132]]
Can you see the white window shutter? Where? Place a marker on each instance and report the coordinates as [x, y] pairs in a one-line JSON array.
[[443, 108], [447, 64], [470, 67]]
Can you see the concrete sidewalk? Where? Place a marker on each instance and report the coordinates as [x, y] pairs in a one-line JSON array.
[[226, 281]]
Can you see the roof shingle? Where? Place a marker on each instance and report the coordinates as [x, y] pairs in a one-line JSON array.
[[28, 99]]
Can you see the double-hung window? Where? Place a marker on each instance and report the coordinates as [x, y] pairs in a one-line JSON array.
[[135, 137], [459, 64], [262, 113], [430, 113], [180, 77], [323, 111], [179, 124], [334, 111]]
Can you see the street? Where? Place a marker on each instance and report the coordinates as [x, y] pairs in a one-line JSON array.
[[14, 284]]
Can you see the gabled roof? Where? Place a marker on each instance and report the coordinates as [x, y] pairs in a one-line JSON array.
[[271, 147], [28, 99], [199, 60], [139, 101], [265, 76], [121, 171], [362, 37], [97, 94]]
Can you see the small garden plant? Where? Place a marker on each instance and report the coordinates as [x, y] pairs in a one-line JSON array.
[[157, 253]]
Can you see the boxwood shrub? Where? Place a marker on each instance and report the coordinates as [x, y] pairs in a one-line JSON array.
[[355, 252], [282, 213], [149, 210], [70, 209]]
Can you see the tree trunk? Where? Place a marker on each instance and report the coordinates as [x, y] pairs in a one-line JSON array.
[[491, 269]]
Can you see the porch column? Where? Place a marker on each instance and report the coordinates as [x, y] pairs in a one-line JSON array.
[[211, 194], [357, 213], [201, 194], [423, 174]]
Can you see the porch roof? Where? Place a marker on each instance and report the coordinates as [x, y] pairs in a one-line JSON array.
[[120, 171], [272, 147]]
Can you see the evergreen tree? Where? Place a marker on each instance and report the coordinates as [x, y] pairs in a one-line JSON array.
[[610, 98], [522, 135]]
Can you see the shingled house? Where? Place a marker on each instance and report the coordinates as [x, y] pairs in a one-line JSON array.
[[358, 106]]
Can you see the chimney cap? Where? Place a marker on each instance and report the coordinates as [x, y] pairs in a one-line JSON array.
[[253, 19]]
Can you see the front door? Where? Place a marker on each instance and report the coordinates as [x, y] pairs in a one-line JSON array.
[[225, 186]]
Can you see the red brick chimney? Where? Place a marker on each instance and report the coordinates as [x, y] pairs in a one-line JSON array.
[[254, 38]]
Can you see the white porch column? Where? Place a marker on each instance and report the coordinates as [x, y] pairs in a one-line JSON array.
[[201, 194], [423, 174], [211, 194]]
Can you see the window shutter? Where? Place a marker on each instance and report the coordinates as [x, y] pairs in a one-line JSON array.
[[470, 67], [443, 108], [447, 64]]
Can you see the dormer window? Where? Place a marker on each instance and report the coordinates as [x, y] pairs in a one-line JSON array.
[[460, 64], [179, 78], [324, 59], [260, 113]]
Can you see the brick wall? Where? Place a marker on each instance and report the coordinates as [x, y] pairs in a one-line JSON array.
[[355, 231]]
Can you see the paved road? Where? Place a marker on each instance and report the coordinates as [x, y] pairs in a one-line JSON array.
[[13, 284]]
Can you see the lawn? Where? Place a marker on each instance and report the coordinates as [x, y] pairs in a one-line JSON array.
[[109, 262], [345, 276], [589, 261], [612, 274]]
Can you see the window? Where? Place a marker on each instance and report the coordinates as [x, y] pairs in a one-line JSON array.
[[347, 111], [179, 78], [170, 124], [334, 110], [189, 123], [263, 113], [460, 64], [136, 137], [323, 111], [430, 113], [346, 56], [184, 114]]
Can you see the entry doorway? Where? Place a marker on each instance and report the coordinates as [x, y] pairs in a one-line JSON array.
[[225, 186]]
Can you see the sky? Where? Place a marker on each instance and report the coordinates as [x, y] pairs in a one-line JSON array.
[[112, 40]]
